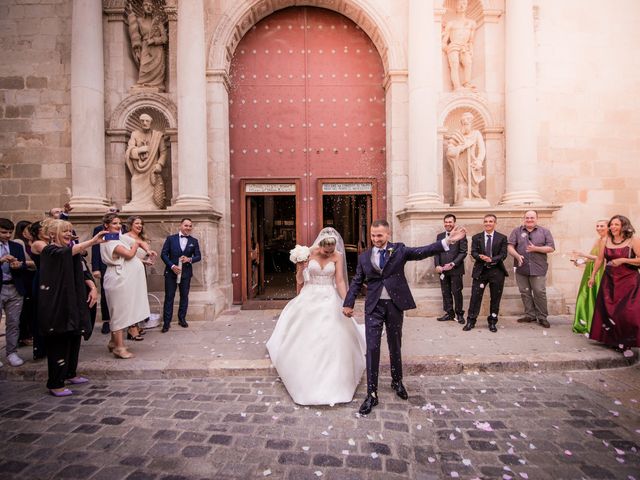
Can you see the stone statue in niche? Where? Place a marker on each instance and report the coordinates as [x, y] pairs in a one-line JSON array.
[[466, 152], [145, 158], [148, 38], [457, 43]]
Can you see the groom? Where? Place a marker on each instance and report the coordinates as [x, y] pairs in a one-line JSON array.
[[388, 296]]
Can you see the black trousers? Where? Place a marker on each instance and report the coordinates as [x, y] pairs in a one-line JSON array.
[[104, 306], [451, 286], [170, 287], [494, 279], [388, 315], [63, 351]]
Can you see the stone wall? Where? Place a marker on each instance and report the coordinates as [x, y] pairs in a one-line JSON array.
[[589, 113], [35, 135]]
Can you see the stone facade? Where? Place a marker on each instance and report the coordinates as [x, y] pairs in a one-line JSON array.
[[573, 154]]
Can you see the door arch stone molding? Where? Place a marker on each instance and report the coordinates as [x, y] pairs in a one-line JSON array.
[[237, 21]]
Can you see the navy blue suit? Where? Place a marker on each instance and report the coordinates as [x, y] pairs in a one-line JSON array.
[[171, 253], [386, 312], [17, 251], [97, 265]]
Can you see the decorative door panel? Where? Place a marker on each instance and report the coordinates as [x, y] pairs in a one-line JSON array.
[[306, 102]]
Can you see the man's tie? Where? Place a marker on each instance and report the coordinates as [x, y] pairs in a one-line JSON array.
[[383, 258], [488, 247]]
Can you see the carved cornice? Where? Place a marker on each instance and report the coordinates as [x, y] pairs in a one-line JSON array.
[[395, 76], [219, 76], [463, 213], [114, 10]]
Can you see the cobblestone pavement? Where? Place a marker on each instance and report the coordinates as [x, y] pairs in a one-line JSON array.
[[520, 426]]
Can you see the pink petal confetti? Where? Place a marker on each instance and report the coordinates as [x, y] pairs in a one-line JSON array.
[[620, 460], [617, 402], [454, 475], [466, 461], [568, 453], [614, 413], [628, 353], [431, 459], [524, 475], [266, 473], [532, 446], [486, 426], [619, 452], [452, 437]]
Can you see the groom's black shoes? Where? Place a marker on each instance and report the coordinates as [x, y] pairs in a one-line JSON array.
[[445, 318], [368, 404], [400, 390]]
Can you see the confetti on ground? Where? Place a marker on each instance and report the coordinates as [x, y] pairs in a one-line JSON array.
[[351, 442], [318, 473], [374, 455], [266, 473], [305, 448]]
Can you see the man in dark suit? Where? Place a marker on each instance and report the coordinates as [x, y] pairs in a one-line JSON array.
[[388, 296], [179, 253], [12, 289], [450, 267], [488, 249]]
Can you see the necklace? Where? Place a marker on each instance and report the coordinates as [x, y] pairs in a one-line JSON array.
[[618, 243]]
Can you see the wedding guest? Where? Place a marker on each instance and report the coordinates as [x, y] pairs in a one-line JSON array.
[[489, 250], [12, 264], [616, 319], [529, 245], [586, 300], [179, 253], [98, 269], [63, 304], [38, 242], [125, 283], [135, 230], [450, 267], [23, 237]]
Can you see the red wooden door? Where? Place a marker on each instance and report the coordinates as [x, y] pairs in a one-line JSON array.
[[306, 102]]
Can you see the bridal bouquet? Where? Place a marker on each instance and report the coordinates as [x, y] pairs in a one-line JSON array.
[[299, 254]]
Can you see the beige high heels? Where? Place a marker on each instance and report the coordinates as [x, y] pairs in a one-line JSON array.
[[122, 352]]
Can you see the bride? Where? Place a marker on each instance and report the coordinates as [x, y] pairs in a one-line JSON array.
[[318, 352]]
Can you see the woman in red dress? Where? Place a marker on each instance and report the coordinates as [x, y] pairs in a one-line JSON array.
[[616, 321]]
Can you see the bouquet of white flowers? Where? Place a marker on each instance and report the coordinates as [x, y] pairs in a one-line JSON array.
[[299, 254]]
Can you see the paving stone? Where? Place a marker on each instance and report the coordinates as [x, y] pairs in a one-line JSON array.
[[294, 458], [221, 439], [279, 444], [322, 460], [364, 461], [77, 471], [186, 414], [482, 446], [25, 438], [394, 465], [88, 429], [193, 451]]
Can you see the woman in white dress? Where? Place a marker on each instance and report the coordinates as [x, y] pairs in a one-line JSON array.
[[318, 352], [135, 230], [125, 283]]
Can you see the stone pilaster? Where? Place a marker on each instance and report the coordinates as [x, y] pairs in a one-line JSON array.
[[521, 121], [191, 88], [88, 174], [424, 167]]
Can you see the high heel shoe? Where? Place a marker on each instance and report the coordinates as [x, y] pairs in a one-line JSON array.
[[111, 346], [137, 337], [122, 352]]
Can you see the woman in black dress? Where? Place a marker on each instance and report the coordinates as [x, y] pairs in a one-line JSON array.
[[63, 304]]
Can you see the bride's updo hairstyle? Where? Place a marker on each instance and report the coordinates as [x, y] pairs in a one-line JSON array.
[[327, 242]]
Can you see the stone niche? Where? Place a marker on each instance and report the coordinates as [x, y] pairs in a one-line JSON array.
[[126, 119], [492, 187]]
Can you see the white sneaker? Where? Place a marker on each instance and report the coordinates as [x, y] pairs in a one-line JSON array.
[[14, 360]]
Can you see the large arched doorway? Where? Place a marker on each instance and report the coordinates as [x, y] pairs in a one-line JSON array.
[[307, 143]]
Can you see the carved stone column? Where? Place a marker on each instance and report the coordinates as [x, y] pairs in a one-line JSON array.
[[423, 95], [521, 121], [88, 173], [192, 114]]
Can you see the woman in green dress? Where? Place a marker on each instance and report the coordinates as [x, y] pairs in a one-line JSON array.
[[586, 300]]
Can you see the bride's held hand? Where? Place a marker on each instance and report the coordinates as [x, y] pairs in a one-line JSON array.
[[347, 311]]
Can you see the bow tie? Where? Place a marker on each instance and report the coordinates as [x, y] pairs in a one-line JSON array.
[[184, 236]]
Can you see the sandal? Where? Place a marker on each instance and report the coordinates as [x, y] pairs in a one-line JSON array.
[[137, 337], [122, 352], [111, 346]]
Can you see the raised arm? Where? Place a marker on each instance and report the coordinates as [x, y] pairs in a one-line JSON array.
[[598, 263]]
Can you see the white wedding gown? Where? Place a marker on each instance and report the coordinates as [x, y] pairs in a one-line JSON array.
[[318, 352]]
